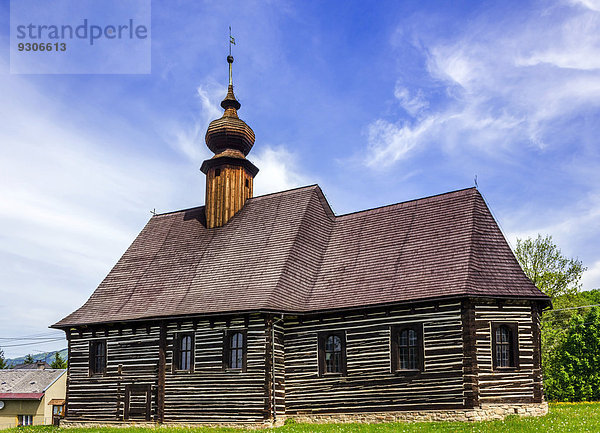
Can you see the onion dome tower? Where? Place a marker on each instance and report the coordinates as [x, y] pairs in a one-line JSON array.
[[229, 175]]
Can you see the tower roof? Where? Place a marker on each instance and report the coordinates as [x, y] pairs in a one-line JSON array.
[[229, 132]]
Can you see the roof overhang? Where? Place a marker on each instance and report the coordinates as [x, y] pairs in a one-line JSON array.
[[21, 395], [543, 300]]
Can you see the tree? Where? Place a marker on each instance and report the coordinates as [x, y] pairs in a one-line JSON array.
[[59, 361], [28, 359], [574, 371], [550, 271], [560, 278], [3, 363]]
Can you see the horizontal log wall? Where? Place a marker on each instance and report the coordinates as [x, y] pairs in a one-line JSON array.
[[279, 386], [451, 379], [210, 394], [370, 385], [510, 385], [132, 358]]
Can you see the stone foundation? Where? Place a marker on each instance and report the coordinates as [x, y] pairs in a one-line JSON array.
[[486, 412]]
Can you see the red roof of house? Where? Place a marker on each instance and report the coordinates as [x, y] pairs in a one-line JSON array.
[[21, 396], [288, 252]]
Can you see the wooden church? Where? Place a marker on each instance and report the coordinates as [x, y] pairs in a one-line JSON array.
[[257, 309]]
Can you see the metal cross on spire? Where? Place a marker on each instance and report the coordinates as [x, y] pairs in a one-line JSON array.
[[230, 57]]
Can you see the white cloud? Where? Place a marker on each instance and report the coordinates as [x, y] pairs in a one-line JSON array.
[[188, 138], [70, 207], [389, 142], [591, 277], [504, 87], [572, 230], [590, 4], [279, 170], [413, 104]]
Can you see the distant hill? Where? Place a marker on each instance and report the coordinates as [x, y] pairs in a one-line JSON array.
[[46, 356]]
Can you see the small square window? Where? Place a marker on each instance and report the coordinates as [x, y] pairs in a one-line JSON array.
[[58, 409], [24, 420]]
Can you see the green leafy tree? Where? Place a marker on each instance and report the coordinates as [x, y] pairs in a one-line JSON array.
[[59, 361], [3, 363], [544, 264], [28, 359], [574, 371], [560, 278]]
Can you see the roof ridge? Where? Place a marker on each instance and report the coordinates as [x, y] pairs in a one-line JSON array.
[[470, 254], [434, 196], [178, 211], [286, 266], [250, 199], [287, 191]]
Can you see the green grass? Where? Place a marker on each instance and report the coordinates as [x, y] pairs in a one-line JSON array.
[[577, 417]]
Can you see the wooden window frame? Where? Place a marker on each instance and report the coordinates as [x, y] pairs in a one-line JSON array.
[[322, 341], [93, 371], [395, 332], [61, 413], [227, 349], [21, 419], [513, 327], [177, 352]]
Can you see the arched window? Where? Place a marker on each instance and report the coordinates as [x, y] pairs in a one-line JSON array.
[[407, 348], [332, 353], [184, 361], [504, 345], [236, 350]]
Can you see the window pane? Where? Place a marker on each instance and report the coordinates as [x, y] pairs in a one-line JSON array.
[[403, 358], [412, 338], [404, 338], [412, 358], [333, 354], [236, 350], [408, 350], [503, 353]]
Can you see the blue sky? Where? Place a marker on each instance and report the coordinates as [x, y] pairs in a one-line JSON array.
[[378, 102]]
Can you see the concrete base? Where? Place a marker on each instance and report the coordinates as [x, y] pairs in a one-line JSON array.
[[486, 412]]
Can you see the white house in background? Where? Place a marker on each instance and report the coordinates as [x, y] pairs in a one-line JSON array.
[[31, 397]]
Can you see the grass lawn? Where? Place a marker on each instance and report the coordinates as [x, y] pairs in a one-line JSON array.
[[577, 417]]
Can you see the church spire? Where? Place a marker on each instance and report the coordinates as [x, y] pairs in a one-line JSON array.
[[229, 175]]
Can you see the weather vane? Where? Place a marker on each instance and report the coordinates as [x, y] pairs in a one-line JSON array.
[[230, 57]]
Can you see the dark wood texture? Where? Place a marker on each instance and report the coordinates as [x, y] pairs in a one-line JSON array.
[[162, 367], [282, 374], [470, 370], [370, 385], [510, 385], [538, 393]]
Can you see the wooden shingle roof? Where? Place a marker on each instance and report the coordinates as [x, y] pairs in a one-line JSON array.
[[288, 252]]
